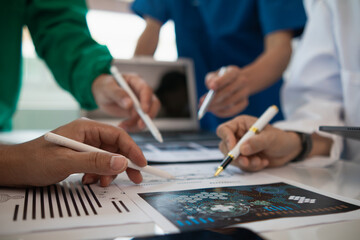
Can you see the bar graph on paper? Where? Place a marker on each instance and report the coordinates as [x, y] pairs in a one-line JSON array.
[[68, 204]]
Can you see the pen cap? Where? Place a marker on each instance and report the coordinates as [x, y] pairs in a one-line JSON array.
[[265, 118]]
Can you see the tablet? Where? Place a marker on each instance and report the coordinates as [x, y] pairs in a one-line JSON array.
[[345, 131]]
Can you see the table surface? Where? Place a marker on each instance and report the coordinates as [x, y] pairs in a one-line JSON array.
[[341, 178]]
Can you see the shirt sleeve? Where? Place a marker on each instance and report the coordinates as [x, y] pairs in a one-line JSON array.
[[156, 9], [282, 15], [62, 38], [312, 96]]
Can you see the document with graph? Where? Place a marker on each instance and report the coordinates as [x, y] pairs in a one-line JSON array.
[[194, 200], [197, 200], [69, 204]]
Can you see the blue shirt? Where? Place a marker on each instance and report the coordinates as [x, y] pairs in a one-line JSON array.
[[215, 34]]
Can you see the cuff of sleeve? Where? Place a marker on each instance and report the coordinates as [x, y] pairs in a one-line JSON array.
[[91, 68], [316, 161]]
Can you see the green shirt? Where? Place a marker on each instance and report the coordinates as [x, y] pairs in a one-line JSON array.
[[61, 37]]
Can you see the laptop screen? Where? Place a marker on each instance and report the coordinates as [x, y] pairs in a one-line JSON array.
[[172, 82]]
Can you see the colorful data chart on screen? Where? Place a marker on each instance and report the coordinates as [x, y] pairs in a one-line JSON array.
[[218, 207]]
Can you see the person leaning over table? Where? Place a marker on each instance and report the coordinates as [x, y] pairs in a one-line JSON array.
[[323, 90], [80, 65], [252, 38], [41, 163]]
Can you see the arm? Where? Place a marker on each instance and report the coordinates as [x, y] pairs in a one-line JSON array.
[[148, 41], [272, 147], [80, 65], [270, 65], [62, 38], [237, 84], [40, 163]]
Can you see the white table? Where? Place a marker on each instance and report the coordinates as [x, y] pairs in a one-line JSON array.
[[342, 178]]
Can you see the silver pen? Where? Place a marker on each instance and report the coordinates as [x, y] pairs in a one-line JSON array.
[[209, 97]]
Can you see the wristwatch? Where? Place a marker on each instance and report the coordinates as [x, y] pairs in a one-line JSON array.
[[306, 146]]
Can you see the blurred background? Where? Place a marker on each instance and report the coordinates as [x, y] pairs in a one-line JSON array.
[[43, 104]]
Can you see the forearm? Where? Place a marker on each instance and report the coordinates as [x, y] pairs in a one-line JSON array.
[[148, 41], [321, 145], [8, 162], [270, 65]]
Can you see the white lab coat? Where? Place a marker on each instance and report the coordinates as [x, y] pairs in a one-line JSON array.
[[324, 82]]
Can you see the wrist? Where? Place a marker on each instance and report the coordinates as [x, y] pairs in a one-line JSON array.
[[306, 145]]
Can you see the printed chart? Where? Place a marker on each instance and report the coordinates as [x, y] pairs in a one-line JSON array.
[[224, 206], [68, 204]]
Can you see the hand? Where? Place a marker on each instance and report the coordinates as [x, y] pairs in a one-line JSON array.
[[272, 147], [231, 92], [112, 99], [41, 163]]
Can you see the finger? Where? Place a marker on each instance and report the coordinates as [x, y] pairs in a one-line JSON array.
[[155, 107], [96, 163], [233, 109], [255, 163], [227, 132], [134, 175], [119, 96], [201, 100], [209, 78], [130, 125], [104, 136], [218, 82], [223, 148], [142, 90], [106, 180], [258, 143], [230, 99], [241, 162], [90, 178]]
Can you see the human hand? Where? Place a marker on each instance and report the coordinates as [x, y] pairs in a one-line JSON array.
[[272, 147], [41, 163], [231, 92], [112, 99]]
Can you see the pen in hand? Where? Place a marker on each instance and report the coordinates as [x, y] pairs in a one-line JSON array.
[[209, 97], [145, 117], [81, 147], [263, 120]]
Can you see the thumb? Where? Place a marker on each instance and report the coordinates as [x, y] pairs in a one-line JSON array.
[[253, 145], [97, 162]]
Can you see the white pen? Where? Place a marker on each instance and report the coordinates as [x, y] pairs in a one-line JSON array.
[[209, 97], [147, 120], [255, 128], [81, 147]]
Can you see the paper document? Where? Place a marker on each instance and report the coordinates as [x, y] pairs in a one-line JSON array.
[[67, 205], [182, 151], [259, 201]]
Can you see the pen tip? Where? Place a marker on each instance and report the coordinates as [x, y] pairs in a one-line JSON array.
[[159, 138], [218, 171]]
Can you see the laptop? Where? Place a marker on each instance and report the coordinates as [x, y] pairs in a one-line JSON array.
[[344, 131], [174, 84]]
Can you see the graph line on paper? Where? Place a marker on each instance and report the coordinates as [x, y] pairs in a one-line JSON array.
[[224, 206]]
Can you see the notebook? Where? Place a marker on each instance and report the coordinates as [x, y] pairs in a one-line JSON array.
[[174, 84]]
